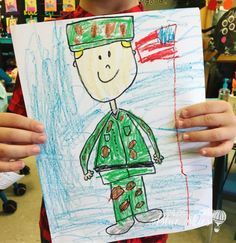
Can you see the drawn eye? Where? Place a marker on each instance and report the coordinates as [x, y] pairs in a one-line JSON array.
[[100, 57], [109, 54], [224, 22], [224, 31]]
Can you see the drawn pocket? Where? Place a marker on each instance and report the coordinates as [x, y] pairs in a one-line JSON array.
[[127, 130], [107, 137]]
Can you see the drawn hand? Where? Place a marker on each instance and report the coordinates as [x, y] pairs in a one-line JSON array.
[[220, 121], [88, 175], [158, 159], [19, 138]]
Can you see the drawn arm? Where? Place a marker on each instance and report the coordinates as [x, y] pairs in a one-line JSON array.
[[157, 156], [88, 147]]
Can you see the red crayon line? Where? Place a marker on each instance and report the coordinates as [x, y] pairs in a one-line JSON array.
[[153, 46], [179, 148], [149, 37], [164, 55]]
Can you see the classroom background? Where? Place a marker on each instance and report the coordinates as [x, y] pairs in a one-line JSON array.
[[20, 204]]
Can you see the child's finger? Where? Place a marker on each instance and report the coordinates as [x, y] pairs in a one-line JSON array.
[[18, 121], [209, 135], [17, 151], [209, 120], [11, 135], [11, 166], [217, 151], [217, 106]]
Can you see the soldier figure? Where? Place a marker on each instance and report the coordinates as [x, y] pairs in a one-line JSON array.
[[107, 68]]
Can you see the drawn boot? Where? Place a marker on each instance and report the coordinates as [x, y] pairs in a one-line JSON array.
[[121, 227], [149, 216]]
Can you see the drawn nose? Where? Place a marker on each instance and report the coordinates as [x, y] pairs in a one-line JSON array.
[[108, 66]]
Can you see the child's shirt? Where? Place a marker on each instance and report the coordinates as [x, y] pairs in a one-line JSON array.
[[17, 104]]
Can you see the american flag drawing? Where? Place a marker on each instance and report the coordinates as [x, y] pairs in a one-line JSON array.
[[159, 44]]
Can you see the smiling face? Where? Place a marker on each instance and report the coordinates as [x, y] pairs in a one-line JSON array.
[[107, 71]]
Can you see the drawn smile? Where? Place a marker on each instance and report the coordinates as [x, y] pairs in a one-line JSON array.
[[107, 81]]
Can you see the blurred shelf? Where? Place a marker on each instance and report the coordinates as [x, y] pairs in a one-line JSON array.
[[226, 58]]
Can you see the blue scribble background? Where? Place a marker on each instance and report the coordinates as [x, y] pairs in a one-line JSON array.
[[78, 210]]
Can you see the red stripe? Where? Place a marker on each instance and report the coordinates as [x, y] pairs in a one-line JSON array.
[[152, 36]]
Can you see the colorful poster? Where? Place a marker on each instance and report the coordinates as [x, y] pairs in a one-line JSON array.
[[31, 20], [108, 90], [50, 6], [48, 19], [30, 5], [10, 21], [68, 5], [10, 6]]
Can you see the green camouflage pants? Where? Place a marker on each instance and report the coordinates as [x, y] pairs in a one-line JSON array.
[[129, 197]]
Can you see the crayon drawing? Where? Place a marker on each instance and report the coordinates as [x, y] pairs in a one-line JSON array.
[[122, 155], [108, 90]]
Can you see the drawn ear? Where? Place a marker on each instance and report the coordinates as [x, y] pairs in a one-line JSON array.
[[126, 44], [78, 54]]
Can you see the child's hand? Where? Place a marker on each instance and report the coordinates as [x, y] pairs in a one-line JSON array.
[[158, 159], [19, 138], [88, 175], [220, 121]]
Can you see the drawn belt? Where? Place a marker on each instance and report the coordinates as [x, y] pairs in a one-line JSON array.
[[125, 166]]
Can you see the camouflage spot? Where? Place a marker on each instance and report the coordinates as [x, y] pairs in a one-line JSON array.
[[117, 192], [78, 29], [123, 29], [132, 144], [121, 117], [132, 154], [139, 204], [138, 192], [124, 205], [109, 29], [105, 151], [130, 185], [94, 30], [109, 127], [76, 41]]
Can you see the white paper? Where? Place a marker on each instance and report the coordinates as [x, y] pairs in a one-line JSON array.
[[82, 210]]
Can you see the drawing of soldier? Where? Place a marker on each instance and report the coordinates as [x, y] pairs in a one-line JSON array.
[[107, 67]]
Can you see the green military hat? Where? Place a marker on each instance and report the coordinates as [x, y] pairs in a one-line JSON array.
[[89, 33]]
